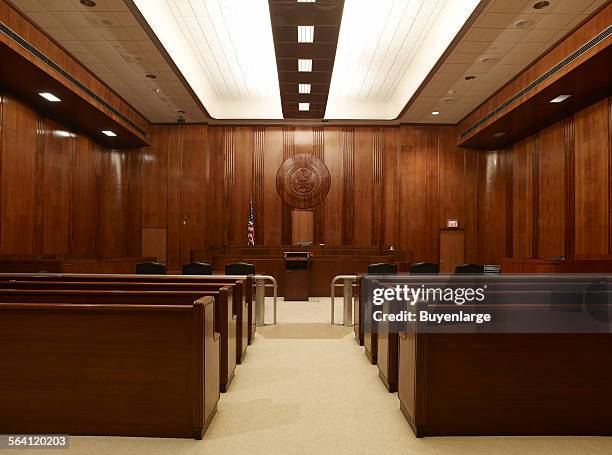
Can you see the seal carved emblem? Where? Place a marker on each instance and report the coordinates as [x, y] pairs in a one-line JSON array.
[[303, 181]]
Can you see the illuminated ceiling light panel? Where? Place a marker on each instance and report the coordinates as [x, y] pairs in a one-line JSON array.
[[304, 106], [304, 88], [50, 97], [306, 1], [304, 65], [109, 133], [385, 51], [560, 98], [225, 51], [305, 33]]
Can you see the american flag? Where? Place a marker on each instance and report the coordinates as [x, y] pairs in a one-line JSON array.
[[251, 225]]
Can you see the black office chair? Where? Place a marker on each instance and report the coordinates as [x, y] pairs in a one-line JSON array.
[[197, 268], [150, 268], [239, 268], [469, 269], [424, 268], [382, 268]]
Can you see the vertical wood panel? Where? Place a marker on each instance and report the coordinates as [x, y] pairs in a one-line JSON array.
[[258, 184], [493, 171], [333, 208], [273, 205], [193, 190], [378, 194], [243, 167], [55, 180], [86, 198], [229, 180], [592, 180], [134, 222], [215, 178], [348, 186], [522, 197], [363, 185], [552, 187], [286, 217], [155, 179], [18, 178], [319, 211], [174, 209], [113, 203], [390, 182]]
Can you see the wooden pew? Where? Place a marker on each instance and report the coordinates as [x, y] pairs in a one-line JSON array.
[[506, 383], [224, 318], [112, 368], [245, 313]]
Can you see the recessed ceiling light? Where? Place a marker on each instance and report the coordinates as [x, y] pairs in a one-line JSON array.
[[435, 113], [305, 88], [451, 91], [88, 3], [469, 78], [305, 33], [109, 133], [488, 59], [304, 65], [50, 97], [499, 134], [61, 133], [157, 90], [448, 99], [181, 112], [305, 1], [560, 98], [150, 76], [541, 5], [523, 24], [304, 106]]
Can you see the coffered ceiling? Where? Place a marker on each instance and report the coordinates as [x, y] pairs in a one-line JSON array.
[[376, 61]]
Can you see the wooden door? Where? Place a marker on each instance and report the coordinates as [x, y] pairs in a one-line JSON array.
[[452, 249], [301, 226], [154, 243]]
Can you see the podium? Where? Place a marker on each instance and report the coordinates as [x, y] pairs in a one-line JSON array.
[[297, 275]]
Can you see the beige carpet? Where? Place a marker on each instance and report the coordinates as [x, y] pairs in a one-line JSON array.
[[308, 331], [317, 397]]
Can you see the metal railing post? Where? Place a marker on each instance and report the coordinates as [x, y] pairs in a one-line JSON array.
[[348, 283], [260, 297]]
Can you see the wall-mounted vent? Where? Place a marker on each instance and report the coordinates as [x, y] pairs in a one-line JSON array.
[[55, 67], [547, 75]]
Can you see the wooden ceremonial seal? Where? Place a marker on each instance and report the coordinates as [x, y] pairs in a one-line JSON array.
[[303, 181]]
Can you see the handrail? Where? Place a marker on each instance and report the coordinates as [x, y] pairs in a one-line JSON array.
[[353, 278], [274, 285]]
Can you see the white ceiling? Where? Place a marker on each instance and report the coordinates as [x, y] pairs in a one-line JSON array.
[[509, 50], [224, 49], [110, 42], [230, 71]]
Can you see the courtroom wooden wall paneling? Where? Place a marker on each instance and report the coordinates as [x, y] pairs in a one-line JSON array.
[[273, 205], [592, 180], [58, 155], [493, 170], [551, 170], [155, 179], [364, 187], [60, 193], [193, 190], [18, 178], [522, 197], [332, 226]]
